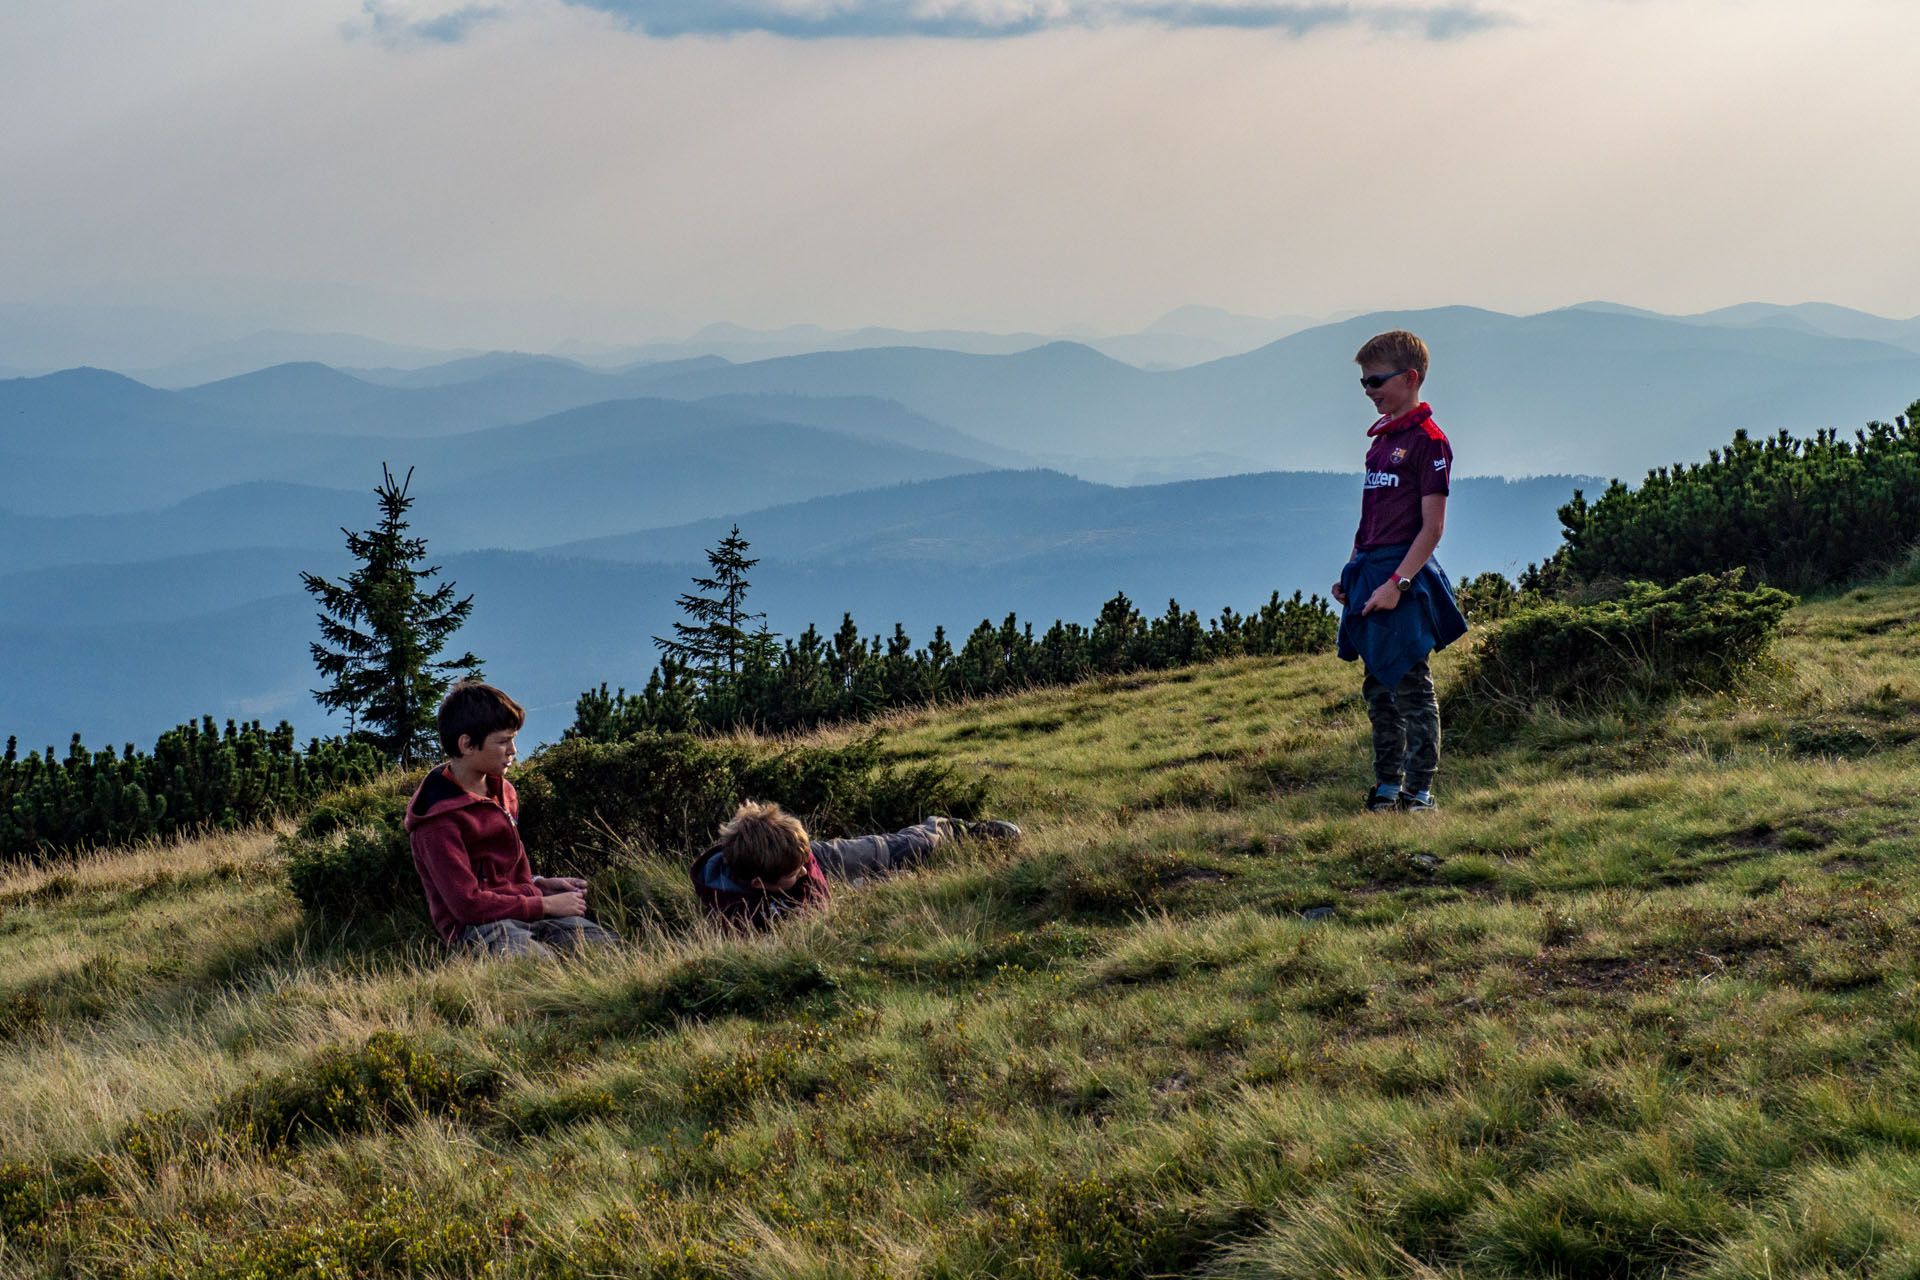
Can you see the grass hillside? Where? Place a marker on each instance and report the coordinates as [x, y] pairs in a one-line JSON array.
[[1641, 1001]]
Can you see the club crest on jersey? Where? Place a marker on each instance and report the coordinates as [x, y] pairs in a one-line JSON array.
[[1400, 454]]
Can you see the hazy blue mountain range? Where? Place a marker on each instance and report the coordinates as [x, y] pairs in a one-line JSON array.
[[1182, 337], [1588, 390], [1575, 390], [1034, 521], [93, 442], [261, 515], [464, 395], [126, 682], [167, 341], [1806, 317], [197, 332], [172, 346]]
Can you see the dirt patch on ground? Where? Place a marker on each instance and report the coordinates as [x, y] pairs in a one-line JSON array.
[[1173, 876], [1182, 762], [1552, 972], [1801, 831]]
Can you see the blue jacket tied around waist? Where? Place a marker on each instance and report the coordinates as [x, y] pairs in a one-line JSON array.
[[1392, 641]]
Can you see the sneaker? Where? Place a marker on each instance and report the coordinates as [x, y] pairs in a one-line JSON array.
[[992, 829], [1417, 802], [1384, 798]]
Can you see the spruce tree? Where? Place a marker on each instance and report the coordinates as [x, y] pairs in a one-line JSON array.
[[382, 630], [714, 641]]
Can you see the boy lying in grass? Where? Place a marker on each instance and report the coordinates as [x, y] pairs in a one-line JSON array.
[[464, 825], [765, 867]]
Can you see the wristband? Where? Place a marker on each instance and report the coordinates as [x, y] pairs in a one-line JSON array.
[[1405, 584]]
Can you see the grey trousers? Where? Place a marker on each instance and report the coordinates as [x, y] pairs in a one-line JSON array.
[[535, 937], [857, 858], [1406, 730]]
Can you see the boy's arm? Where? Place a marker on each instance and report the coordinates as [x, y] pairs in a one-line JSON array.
[[562, 895], [1433, 522], [441, 858]]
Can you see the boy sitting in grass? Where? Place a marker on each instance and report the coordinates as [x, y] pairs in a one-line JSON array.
[[464, 825], [765, 867], [1397, 603]]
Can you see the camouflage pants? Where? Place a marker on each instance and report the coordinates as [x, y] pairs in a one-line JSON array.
[[858, 858], [563, 934], [1406, 729]]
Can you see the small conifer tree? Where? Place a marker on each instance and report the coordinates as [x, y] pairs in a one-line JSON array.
[[714, 642], [381, 631]]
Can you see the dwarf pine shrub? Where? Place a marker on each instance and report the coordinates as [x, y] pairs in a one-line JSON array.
[[1801, 512], [730, 983], [1488, 597], [388, 1080], [1648, 641], [196, 778], [350, 860], [816, 679]]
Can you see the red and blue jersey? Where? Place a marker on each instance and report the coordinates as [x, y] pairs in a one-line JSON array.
[[1409, 459]]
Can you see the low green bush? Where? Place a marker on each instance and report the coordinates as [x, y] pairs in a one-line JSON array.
[[355, 872], [196, 778], [402, 1234], [27, 1195], [388, 1080], [1646, 642], [1489, 597], [1804, 513], [738, 982], [349, 860]]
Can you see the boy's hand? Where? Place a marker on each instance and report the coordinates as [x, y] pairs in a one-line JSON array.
[[570, 903], [560, 884], [1339, 594], [1385, 596]]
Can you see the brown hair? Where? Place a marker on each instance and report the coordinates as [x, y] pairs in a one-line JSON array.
[[763, 842], [475, 710], [1397, 348]]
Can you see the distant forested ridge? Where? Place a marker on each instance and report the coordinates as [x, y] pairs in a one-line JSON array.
[[809, 681]]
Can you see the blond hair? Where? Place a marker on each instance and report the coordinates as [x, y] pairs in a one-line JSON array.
[[1397, 348], [763, 842]]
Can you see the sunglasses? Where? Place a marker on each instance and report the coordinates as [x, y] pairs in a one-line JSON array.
[[1375, 381]]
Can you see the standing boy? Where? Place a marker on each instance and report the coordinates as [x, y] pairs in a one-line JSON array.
[[1397, 603], [464, 825]]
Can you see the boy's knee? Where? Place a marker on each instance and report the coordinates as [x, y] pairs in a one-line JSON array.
[[503, 938], [571, 933]]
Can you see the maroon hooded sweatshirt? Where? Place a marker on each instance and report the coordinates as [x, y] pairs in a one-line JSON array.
[[467, 850]]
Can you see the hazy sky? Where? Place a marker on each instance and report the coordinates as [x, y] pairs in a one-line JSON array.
[[621, 169]]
